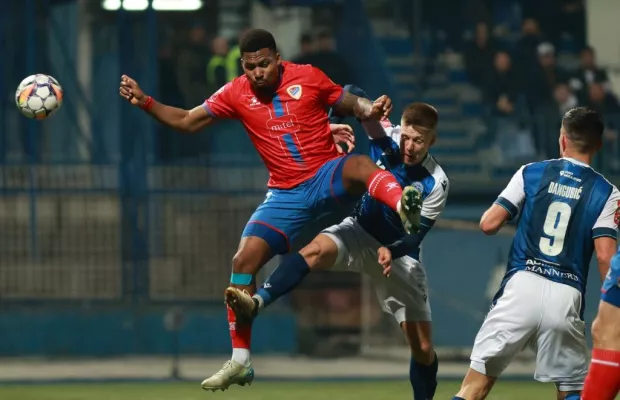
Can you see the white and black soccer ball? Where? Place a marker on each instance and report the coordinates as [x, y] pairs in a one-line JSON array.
[[38, 96]]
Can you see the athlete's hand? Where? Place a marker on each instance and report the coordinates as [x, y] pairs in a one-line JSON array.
[[343, 137], [385, 259], [381, 108], [131, 91]]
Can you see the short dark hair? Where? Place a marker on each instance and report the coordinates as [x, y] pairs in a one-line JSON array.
[[256, 39], [584, 128], [420, 115]]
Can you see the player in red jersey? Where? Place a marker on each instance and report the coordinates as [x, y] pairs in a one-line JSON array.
[[283, 107]]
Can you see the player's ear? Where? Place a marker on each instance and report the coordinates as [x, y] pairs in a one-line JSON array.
[[433, 139], [278, 58]]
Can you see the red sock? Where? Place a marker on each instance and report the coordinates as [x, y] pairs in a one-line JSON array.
[[240, 335], [603, 380], [384, 187]]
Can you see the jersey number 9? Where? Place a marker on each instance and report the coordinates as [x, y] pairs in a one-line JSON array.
[[556, 224]]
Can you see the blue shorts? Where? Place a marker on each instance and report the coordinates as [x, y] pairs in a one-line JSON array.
[[279, 220], [611, 286]]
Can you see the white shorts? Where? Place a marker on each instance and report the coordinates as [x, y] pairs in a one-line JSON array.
[[404, 294], [536, 312]]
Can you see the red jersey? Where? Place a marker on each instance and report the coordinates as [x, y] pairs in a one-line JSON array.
[[290, 129]]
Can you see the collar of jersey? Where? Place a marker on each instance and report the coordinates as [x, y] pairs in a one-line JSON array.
[[576, 162]]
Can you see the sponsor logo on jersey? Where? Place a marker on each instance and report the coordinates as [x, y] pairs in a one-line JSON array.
[[294, 91], [569, 175], [283, 125], [544, 268]]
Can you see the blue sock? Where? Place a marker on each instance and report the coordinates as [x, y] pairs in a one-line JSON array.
[[286, 277], [423, 379], [573, 396]]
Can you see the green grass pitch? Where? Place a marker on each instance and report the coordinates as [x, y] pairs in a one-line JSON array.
[[346, 390]]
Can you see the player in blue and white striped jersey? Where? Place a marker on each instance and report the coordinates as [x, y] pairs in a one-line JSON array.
[[567, 210]]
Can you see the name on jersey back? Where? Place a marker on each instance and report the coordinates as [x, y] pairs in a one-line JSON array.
[[569, 192]]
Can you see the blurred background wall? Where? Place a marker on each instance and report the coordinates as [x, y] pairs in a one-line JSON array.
[[116, 234]]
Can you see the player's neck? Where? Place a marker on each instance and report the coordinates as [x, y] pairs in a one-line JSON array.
[[582, 158]]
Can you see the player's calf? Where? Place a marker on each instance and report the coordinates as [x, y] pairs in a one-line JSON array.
[[361, 174], [475, 386], [603, 380], [321, 253], [424, 363]]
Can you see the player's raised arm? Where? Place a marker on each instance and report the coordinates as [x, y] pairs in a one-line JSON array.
[[605, 232], [506, 207], [182, 120], [346, 103]]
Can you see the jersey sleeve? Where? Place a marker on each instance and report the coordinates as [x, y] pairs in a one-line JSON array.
[[513, 195], [330, 94], [607, 222], [435, 202], [221, 103]]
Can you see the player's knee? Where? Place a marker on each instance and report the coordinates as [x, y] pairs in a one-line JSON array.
[[312, 254], [423, 352], [244, 263], [321, 253]]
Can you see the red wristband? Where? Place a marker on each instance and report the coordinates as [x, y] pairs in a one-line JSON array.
[[148, 104]]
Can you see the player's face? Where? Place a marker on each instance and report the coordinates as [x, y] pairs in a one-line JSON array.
[[415, 144], [261, 68]]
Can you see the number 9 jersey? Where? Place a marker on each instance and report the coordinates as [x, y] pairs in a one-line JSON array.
[[564, 205]]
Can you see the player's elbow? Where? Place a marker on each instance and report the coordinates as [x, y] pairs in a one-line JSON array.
[[488, 226], [185, 125]]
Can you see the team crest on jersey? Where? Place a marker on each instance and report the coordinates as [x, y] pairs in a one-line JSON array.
[[294, 91], [419, 187]]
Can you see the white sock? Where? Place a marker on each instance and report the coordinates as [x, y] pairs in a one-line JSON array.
[[241, 356], [261, 302]]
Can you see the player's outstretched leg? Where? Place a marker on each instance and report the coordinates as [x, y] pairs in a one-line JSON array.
[[321, 253], [253, 253], [424, 362], [603, 380], [361, 174]]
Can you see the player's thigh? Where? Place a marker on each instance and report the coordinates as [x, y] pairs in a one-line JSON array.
[[279, 219], [561, 348], [326, 191], [404, 294], [353, 245], [606, 327], [509, 325]]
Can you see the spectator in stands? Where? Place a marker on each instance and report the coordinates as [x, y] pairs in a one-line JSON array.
[[526, 56], [565, 99], [217, 68], [233, 58], [306, 49], [502, 89], [191, 66], [541, 80], [479, 56], [329, 61], [603, 101], [588, 74]]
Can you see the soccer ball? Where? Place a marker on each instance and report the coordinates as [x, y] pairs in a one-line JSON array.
[[38, 96]]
